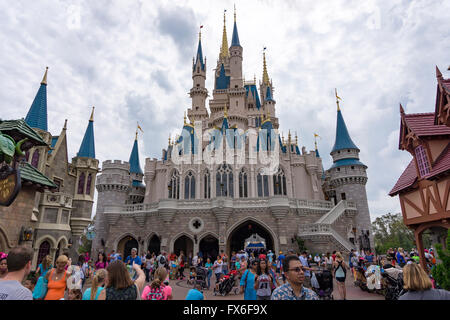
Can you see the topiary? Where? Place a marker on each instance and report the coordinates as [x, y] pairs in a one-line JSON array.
[[441, 272]]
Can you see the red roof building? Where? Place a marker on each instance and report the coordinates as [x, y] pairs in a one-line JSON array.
[[424, 186]]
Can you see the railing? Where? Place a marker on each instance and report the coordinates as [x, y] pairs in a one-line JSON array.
[[316, 229], [236, 203], [337, 211]]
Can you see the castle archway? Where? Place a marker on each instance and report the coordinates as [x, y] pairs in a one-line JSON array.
[[44, 249], [185, 244], [209, 247], [236, 238], [154, 245], [125, 245]]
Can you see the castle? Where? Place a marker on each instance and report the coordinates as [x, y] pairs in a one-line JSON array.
[[57, 196], [190, 205]]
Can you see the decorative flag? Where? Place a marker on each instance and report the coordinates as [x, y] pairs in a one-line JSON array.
[[265, 48], [139, 127], [201, 27], [337, 97]]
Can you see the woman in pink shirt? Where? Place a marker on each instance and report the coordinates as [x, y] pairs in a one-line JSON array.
[[101, 261]]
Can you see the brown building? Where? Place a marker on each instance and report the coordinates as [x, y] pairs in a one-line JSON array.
[[57, 194], [424, 186]]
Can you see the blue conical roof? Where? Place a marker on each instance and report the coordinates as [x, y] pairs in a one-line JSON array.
[[268, 94], [37, 115], [135, 166], [222, 81], [235, 38], [343, 140], [199, 56], [87, 148]]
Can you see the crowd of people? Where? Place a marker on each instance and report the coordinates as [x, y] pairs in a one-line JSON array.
[[257, 274]]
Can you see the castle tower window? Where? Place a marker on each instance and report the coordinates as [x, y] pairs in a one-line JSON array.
[[88, 184], [35, 159], [343, 197], [224, 181], [81, 181], [263, 185], [189, 186], [243, 191], [422, 161], [279, 183], [174, 185], [207, 185]]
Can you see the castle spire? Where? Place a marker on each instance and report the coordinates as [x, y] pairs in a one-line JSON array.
[[337, 99], [37, 114], [265, 74], [224, 53], [135, 166], [199, 57], [44, 79], [87, 148], [235, 37], [343, 140]]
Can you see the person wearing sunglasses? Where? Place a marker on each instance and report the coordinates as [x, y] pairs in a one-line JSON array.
[[293, 289]]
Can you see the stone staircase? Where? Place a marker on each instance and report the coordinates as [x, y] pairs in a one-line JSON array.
[[322, 230]]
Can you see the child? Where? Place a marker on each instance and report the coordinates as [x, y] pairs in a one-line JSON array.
[[75, 294], [195, 294], [219, 281], [192, 275], [30, 283]]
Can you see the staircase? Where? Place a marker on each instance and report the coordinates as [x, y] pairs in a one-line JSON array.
[[322, 229]]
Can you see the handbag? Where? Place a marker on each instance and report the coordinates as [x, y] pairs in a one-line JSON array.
[[314, 282]]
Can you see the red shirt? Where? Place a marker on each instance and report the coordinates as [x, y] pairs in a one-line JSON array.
[[333, 256]]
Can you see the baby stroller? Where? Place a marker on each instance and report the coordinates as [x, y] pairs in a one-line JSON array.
[[392, 283], [201, 276], [325, 281], [227, 284], [360, 279]]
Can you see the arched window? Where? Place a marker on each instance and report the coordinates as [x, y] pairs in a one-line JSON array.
[[224, 181], [81, 183], [174, 185], [207, 185], [263, 185], [243, 193], [279, 183], [35, 159], [189, 186], [88, 184], [44, 249]]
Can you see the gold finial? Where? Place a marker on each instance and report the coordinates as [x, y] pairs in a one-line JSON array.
[[169, 139], [337, 99], [136, 134], [225, 112], [265, 74], [65, 125], [185, 117], [234, 12], [289, 136], [92, 114], [44, 79], [224, 50], [282, 139], [296, 139], [254, 78], [315, 139]]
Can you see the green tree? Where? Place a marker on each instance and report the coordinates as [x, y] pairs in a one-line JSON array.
[[441, 273], [86, 245], [390, 232]]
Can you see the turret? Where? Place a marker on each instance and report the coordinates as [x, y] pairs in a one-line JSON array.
[[137, 191], [267, 89], [37, 115], [347, 175], [235, 58], [198, 92]]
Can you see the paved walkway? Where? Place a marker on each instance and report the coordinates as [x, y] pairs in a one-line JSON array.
[[181, 288]]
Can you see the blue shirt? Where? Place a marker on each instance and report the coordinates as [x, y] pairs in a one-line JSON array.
[[194, 294], [136, 260], [285, 292], [281, 259], [304, 262], [87, 294], [250, 292], [369, 258]]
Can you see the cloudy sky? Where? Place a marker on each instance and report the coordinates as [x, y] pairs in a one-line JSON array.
[[132, 61]]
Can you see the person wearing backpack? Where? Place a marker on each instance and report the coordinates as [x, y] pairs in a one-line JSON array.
[[340, 273], [155, 291], [161, 259]]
